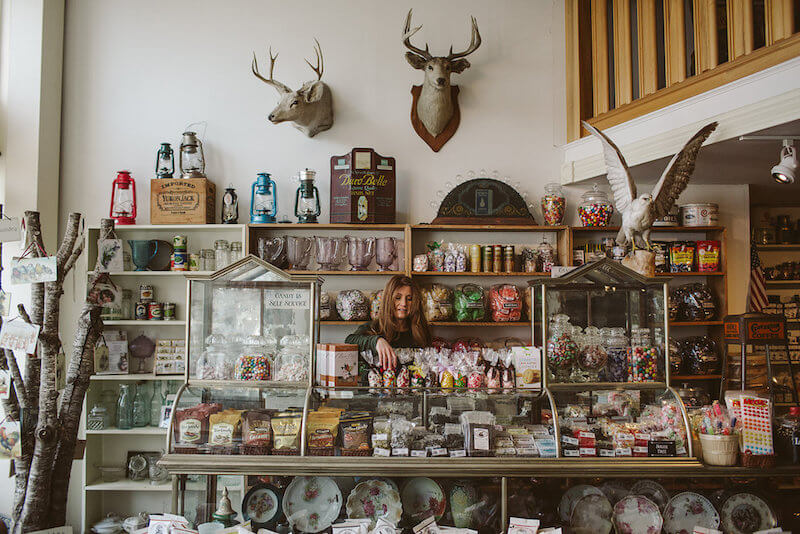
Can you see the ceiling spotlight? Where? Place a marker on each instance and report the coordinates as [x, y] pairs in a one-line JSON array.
[[784, 172]]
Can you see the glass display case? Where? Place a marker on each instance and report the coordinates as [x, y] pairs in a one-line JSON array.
[[604, 358]]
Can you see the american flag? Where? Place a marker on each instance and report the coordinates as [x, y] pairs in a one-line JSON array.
[[757, 298]]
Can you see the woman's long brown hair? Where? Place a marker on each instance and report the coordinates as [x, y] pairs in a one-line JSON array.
[[389, 327]]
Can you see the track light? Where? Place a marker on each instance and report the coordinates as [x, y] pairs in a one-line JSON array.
[[784, 172]]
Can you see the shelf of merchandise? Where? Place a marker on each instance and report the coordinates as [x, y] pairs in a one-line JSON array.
[[439, 323], [774, 248], [109, 446], [469, 273], [678, 378], [695, 323]]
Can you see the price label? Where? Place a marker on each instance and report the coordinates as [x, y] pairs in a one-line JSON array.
[[458, 454], [381, 452], [606, 453], [438, 451], [569, 440], [400, 451], [419, 454], [572, 453]]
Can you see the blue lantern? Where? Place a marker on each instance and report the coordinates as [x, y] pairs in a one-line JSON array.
[[263, 200]]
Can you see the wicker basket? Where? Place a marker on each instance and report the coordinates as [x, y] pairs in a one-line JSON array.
[[254, 450], [761, 461], [286, 452], [356, 452], [720, 449], [321, 451]]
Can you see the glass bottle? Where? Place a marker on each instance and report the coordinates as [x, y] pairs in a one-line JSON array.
[[127, 305], [236, 251], [222, 253], [159, 399], [125, 408], [616, 345], [642, 366], [553, 204], [595, 209], [561, 348], [141, 412]]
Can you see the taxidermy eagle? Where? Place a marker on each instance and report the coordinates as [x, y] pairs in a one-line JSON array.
[[639, 212]]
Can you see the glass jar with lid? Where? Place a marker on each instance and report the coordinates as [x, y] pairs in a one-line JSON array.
[[593, 356], [127, 305], [255, 360], [553, 204], [764, 235], [97, 418], [595, 209], [207, 261], [214, 363], [787, 436], [616, 345], [561, 348], [545, 257], [236, 251], [222, 254], [643, 364]]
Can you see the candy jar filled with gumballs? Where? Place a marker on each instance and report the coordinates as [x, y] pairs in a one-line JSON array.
[[643, 363], [561, 349], [595, 209]]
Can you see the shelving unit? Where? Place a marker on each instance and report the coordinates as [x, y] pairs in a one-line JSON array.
[[110, 446]]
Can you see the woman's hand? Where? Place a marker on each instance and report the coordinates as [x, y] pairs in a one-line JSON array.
[[386, 354]]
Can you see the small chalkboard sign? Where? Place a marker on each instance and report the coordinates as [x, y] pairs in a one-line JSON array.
[[484, 201], [661, 449]]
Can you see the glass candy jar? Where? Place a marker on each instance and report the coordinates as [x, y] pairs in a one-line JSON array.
[[616, 345], [254, 362], [593, 356], [553, 204], [545, 257], [222, 253], [561, 348], [642, 366], [291, 363], [97, 418], [236, 251], [595, 209], [214, 363]]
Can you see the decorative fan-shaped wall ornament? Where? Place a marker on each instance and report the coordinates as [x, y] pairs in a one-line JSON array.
[[483, 200]]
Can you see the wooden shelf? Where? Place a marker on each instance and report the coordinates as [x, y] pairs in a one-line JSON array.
[[328, 226], [142, 431], [144, 323], [156, 273], [695, 323], [770, 248], [693, 273], [438, 323], [470, 273], [674, 378], [488, 227], [136, 377], [609, 229], [172, 227], [127, 485], [343, 272]]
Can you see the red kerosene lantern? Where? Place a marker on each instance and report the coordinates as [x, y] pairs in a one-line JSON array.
[[123, 199]]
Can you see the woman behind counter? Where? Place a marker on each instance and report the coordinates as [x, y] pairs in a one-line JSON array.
[[400, 323]]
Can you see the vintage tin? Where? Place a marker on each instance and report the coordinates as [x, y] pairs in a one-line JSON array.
[[508, 258], [140, 312], [497, 259], [362, 188], [194, 262], [488, 254], [475, 258], [146, 293], [700, 214], [180, 261], [169, 311], [155, 311], [179, 242]]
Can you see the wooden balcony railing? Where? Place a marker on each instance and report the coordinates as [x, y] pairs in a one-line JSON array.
[[626, 58]]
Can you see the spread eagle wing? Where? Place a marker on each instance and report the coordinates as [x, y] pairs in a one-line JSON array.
[[618, 176], [676, 175]]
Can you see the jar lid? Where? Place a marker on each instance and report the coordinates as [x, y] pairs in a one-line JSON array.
[[216, 339], [220, 243], [595, 195], [236, 245]]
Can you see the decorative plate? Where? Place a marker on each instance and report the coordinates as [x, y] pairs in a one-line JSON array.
[[614, 490], [262, 505], [688, 510], [592, 514], [637, 515], [423, 497], [653, 491], [163, 256], [744, 513], [463, 497], [372, 499], [312, 504], [573, 495]]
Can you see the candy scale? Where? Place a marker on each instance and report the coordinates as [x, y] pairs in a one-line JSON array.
[[756, 334]]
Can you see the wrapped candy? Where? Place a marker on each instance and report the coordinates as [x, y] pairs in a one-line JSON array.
[[253, 367], [461, 259], [439, 343], [446, 380], [469, 303], [435, 256], [375, 304], [420, 263], [389, 378], [437, 302], [327, 307], [417, 375], [374, 379], [449, 262], [476, 378], [403, 378], [467, 344], [352, 305], [505, 302], [507, 376], [291, 365]]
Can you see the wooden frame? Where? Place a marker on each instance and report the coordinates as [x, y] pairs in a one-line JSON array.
[[705, 35], [600, 94], [779, 17], [674, 42], [647, 43], [623, 62], [740, 28]]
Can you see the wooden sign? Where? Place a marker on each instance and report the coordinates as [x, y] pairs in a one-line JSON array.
[[363, 188], [755, 329], [483, 201], [182, 201]]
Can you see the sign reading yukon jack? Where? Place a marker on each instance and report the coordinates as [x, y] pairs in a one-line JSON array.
[[362, 188]]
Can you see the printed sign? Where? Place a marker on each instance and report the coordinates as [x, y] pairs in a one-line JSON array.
[[10, 230], [33, 270], [286, 299], [109, 256], [18, 335]]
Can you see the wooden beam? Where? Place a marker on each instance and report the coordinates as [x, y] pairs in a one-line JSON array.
[[600, 56], [760, 59], [705, 35], [674, 42], [779, 15], [623, 68], [740, 28], [573, 70], [647, 43]]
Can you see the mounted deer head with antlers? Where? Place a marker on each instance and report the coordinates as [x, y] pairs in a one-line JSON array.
[[434, 112], [310, 108]]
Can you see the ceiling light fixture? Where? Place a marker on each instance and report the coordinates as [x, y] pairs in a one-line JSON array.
[[785, 171]]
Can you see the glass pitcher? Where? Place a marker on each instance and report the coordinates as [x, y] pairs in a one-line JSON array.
[[360, 252]]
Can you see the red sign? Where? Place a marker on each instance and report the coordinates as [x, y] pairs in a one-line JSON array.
[[765, 331], [732, 330]]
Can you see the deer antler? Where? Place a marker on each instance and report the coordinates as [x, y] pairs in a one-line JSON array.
[[408, 32], [474, 43], [269, 81], [320, 63]]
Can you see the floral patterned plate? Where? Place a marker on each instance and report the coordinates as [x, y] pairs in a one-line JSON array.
[[573, 495], [592, 515], [637, 515], [423, 497], [653, 491], [312, 504], [262, 505], [688, 510], [372, 499], [744, 513]]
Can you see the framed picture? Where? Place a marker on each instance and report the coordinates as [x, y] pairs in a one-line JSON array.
[[109, 256]]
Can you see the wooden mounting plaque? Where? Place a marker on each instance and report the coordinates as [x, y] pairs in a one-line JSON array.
[[436, 143], [483, 201]]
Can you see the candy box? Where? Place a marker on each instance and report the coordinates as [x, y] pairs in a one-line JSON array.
[[321, 373], [528, 366], [362, 188], [342, 364]]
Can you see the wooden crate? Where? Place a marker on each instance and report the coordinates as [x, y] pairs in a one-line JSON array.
[[182, 201]]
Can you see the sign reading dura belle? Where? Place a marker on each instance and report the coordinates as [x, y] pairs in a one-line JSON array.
[[362, 188], [182, 201]]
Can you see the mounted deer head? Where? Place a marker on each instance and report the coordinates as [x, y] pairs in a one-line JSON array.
[[310, 108], [435, 108]]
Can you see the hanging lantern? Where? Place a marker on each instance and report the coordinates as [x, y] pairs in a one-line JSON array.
[[123, 199], [306, 200], [165, 161], [192, 162], [263, 200]]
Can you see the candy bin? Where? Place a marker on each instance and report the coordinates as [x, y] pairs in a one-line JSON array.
[[643, 364], [561, 348], [595, 209], [553, 204], [616, 346], [593, 356]]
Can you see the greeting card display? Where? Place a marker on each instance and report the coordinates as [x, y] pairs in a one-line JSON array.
[[19, 335]]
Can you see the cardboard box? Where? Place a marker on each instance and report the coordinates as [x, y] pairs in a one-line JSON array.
[[342, 364], [182, 201], [362, 188], [321, 375], [528, 366]]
